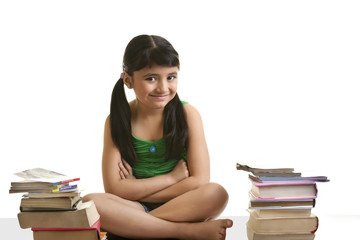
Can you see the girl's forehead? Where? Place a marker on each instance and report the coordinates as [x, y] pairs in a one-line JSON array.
[[158, 69]]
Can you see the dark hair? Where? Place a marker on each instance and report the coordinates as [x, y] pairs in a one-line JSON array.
[[142, 51]]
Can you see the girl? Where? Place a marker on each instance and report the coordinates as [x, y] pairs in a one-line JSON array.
[[155, 163]]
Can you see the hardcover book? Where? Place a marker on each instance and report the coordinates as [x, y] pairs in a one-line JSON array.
[[91, 233], [284, 190]]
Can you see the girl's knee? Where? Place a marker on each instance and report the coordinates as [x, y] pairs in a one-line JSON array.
[[216, 193], [89, 197], [216, 198], [94, 197]]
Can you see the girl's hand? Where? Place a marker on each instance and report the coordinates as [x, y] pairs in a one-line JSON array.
[[125, 170], [180, 171]]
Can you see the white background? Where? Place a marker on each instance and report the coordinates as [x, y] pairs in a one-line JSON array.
[[276, 82]]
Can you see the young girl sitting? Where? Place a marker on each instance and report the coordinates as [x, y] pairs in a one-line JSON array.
[[155, 165]]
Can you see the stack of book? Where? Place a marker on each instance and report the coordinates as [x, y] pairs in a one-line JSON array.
[[281, 203], [52, 207]]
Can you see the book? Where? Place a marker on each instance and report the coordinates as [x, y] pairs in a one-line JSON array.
[[285, 190], [52, 194], [44, 175], [88, 233], [83, 216], [36, 204], [281, 212], [41, 180], [281, 203], [261, 203], [263, 170], [303, 224], [32, 186], [62, 188], [289, 178], [289, 174], [41, 188], [252, 235]]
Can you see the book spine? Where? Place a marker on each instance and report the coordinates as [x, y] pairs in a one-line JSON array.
[[65, 188], [96, 226], [66, 181]]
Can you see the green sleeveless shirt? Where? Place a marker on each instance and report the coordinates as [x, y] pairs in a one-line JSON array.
[[151, 160]]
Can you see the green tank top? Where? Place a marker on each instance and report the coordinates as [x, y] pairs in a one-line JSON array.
[[151, 160]]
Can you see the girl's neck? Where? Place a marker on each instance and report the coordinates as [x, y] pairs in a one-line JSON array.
[[139, 111], [147, 124]]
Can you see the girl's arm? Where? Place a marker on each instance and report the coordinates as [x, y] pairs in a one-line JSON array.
[[131, 188], [198, 160]]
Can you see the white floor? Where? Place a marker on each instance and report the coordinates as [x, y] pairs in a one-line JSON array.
[[330, 227]]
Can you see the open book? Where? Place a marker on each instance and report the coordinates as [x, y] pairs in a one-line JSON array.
[[267, 171], [42, 180]]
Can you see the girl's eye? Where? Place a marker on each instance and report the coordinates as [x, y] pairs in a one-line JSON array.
[[150, 79], [170, 78]]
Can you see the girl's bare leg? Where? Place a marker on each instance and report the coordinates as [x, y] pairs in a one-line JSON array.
[[128, 219], [201, 204]]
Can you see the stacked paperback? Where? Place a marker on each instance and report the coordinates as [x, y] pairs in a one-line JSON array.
[[52, 207], [281, 203]]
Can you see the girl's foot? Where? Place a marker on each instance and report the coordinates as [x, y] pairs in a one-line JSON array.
[[211, 230]]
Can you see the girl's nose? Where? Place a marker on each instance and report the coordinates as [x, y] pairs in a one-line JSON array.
[[161, 87]]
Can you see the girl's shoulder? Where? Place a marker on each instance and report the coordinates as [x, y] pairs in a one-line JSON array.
[[192, 114]]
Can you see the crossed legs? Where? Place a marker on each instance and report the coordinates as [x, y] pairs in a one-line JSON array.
[[184, 217]]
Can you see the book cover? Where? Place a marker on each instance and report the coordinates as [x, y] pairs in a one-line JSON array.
[[52, 194], [263, 170], [281, 212], [252, 235], [44, 175], [280, 203], [285, 190], [305, 224], [28, 204], [83, 216], [286, 179]]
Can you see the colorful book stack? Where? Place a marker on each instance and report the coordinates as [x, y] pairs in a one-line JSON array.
[[281, 203], [52, 207]]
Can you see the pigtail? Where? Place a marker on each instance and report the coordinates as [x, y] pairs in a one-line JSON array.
[[175, 128], [120, 123]]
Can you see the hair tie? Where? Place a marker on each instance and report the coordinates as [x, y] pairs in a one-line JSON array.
[[121, 76], [125, 67]]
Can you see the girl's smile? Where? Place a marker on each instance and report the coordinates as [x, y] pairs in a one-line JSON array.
[[154, 86], [159, 97]]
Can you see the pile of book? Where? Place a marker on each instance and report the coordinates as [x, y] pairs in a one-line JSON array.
[[52, 207], [281, 203]]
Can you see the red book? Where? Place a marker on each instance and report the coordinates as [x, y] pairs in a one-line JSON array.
[[91, 233]]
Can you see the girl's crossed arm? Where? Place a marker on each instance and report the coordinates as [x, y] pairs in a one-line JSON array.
[[165, 187], [129, 187]]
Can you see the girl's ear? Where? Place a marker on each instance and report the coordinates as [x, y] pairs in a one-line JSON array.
[[127, 80]]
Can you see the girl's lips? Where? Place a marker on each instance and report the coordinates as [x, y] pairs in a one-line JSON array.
[[160, 97]]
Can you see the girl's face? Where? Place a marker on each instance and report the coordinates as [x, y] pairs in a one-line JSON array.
[[156, 86]]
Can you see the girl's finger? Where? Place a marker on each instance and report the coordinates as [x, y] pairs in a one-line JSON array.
[[122, 176], [123, 169], [127, 166]]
